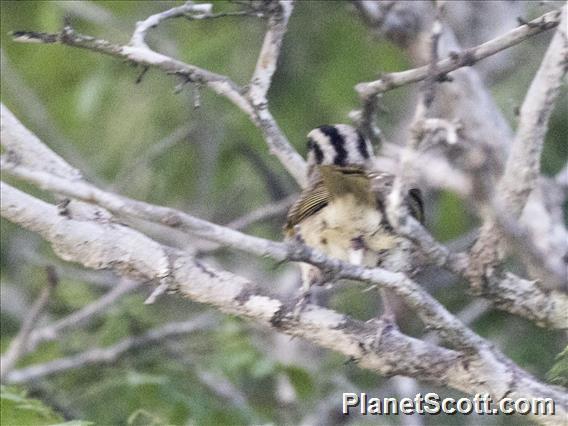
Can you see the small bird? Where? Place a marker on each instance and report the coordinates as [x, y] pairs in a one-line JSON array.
[[342, 210]]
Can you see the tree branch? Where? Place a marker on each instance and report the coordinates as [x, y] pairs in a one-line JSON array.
[[377, 346], [269, 52], [142, 27], [18, 345], [81, 317], [110, 354], [484, 126], [137, 51], [430, 310], [523, 164], [457, 60], [279, 208]]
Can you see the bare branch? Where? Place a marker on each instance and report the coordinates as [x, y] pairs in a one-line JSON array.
[[485, 124], [142, 55], [81, 317], [149, 254], [433, 314], [164, 215], [138, 52], [280, 147], [23, 147], [428, 308], [420, 129], [269, 52], [466, 58], [142, 27], [466, 99], [18, 345], [263, 213], [109, 355], [377, 346], [523, 164], [553, 276]]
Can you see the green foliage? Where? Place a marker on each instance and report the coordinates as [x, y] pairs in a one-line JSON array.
[[17, 409], [452, 218], [558, 374], [302, 381]]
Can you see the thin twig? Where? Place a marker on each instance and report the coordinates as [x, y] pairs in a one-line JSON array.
[[263, 213], [142, 27], [138, 52], [466, 58], [18, 345], [155, 150], [81, 317], [110, 354]]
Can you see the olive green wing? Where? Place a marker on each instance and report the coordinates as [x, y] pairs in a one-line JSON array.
[[334, 182], [312, 199], [337, 181], [351, 180]]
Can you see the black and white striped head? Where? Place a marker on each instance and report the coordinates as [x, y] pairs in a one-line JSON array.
[[340, 145]]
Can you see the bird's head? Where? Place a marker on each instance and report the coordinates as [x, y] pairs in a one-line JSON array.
[[338, 145]]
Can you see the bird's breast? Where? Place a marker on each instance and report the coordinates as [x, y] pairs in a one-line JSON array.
[[347, 229]]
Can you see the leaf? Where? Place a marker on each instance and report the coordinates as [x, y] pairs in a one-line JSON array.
[[558, 374], [301, 380], [16, 409]]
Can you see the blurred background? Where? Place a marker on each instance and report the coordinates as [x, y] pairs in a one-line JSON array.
[[188, 148]]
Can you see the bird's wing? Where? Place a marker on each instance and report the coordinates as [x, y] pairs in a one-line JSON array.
[[341, 181], [312, 199], [368, 188]]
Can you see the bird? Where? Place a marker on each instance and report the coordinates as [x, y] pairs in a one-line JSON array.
[[342, 210]]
